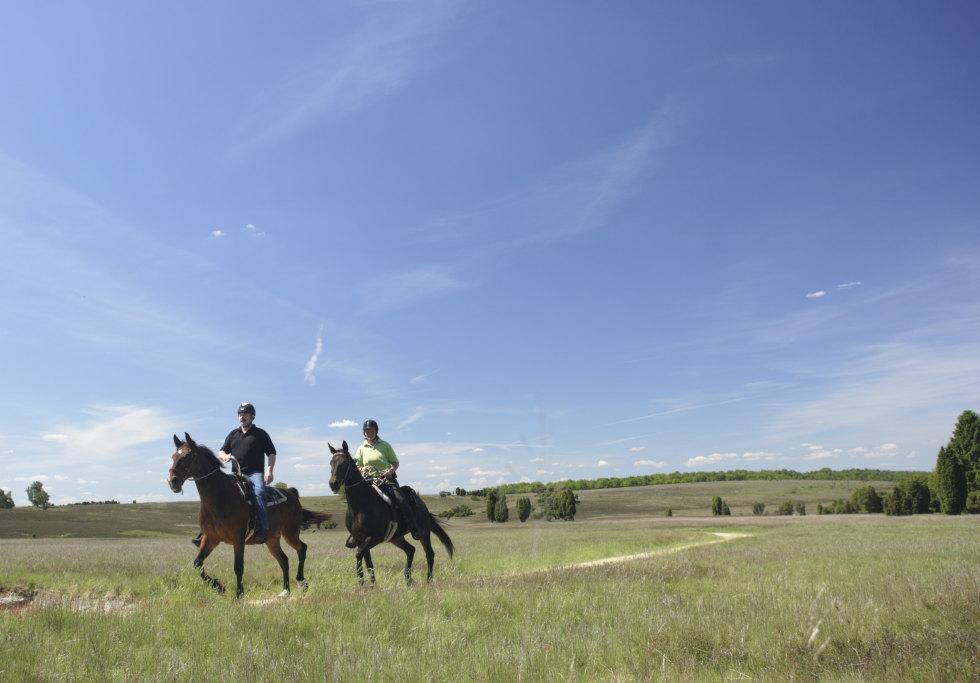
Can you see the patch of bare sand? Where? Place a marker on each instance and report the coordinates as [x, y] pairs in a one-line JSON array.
[[722, 538], [26, 600]]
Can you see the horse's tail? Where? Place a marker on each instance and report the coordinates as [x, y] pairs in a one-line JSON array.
[[437, 529], [310, 517]]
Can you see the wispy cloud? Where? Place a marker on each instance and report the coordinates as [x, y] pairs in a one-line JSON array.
[[637, 449], [819, 294], [848, 285], [575, 197], [111, 431], [657, 464], [680, 409], [418, 379], [384, 55], [414, 417], [342, 424], [218, 233], [409, 286], [309, 372], [714, 458]]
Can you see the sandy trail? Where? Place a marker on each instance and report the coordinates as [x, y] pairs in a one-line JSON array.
[[722, 537]]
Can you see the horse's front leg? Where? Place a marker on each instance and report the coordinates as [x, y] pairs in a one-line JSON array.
[[207, 545], [410, 554], [239, 566], [362, 550], [370, 564]]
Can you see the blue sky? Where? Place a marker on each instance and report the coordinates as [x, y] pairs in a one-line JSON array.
[[533, 240]]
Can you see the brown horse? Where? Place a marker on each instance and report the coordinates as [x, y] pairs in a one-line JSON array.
[[225, 514], [371, 521]]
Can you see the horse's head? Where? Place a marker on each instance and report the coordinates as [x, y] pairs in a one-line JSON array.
[[183, 461], [343, 469]]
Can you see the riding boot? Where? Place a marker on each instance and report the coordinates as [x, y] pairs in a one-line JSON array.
[[197, 539]]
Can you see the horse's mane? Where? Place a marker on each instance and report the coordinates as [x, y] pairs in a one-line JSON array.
[[209, 455]]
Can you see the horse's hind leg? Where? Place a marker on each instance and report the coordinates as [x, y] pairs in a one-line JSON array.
[[276, 551], [292, 538], [430, 556], [207, 545], [410, 552], [370, 564]]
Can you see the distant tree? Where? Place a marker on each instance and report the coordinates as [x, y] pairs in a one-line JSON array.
[[951, 482], [445, 494], [37, 495], [965, 445], [716, 504], [565, 508], [820, 509], [866, 498], [281, 485], [725, 510], [523, 508], [500, 511], [6, 500], [972, 502], [758, 508], [134, 502], [491, 499], [460, 492], [800, 508], [458, 511], [915, 491], [785, 508], [668, 512]]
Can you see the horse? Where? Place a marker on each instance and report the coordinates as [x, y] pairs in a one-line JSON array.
[[225, 514], [371, 521]]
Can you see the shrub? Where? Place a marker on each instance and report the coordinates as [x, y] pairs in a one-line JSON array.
[[725, 510], [800, 508], [523, 508], [758, 508], [820, 510], [951, 482], [500, 511], [7, 500], [785, 508], [867, 499], [458, 511], [716, 504], [491, 500], [973, 502], [668, 513]]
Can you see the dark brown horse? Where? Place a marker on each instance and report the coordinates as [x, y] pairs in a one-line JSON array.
[[371, 521], [225, 514]]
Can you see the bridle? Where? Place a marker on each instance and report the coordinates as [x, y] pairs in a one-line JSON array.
[[350, 461], [187, 477]]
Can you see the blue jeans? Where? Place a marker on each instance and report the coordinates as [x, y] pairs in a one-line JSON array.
[[258, 484]]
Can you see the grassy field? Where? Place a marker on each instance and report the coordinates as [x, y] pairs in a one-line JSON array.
[[859, 597]]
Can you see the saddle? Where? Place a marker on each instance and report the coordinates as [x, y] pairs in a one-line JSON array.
[[272, 496]]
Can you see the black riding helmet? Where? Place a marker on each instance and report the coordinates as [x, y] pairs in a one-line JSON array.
[[370, 424], [246, 408]]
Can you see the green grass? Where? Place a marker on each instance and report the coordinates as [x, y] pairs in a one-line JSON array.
[[889, 599]]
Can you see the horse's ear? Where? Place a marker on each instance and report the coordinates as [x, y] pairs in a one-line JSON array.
[[190, 441], [344, 446], [177, 442], [332, 449]]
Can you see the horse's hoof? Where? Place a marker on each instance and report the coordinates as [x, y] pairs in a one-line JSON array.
[[218, 586], [303, 586], [284, 594]]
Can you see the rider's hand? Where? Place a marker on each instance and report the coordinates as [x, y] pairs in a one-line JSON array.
[[224, 458], [268, 476]]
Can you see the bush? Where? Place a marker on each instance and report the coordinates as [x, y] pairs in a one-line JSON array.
[[951, 482], [6, 500], [716, 505], [560, 504], [800, 508], [725, 510], [458, 511], [37, 495], [973, 502], [668, 513], [491, 500], [523, 508], [758, 508], [820, 510], [500, 511], [867, 499], [785, 508]]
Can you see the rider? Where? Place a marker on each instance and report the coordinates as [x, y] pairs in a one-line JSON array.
[[376, 458], [249, 445]]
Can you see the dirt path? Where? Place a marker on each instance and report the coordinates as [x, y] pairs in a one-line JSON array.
[[722, 537]]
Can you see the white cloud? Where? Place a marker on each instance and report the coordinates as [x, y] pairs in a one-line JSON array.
[[342, 424], [537, 460], [849, 285], [418, 379], [888, 446], [700, 460], [218, 233], [658, 464], [601, 463], [478, 450], [55, 437], [759, 455], [816, 295], [252, 230], [309, 372], [637, 449], [86, 482], [411, 419], [60, 477], [112, 430], [36, 477]]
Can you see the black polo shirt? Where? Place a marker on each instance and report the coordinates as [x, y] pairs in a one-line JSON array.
[[249, 448]]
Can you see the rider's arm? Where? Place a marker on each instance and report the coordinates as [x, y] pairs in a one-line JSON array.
[[268, 468]]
